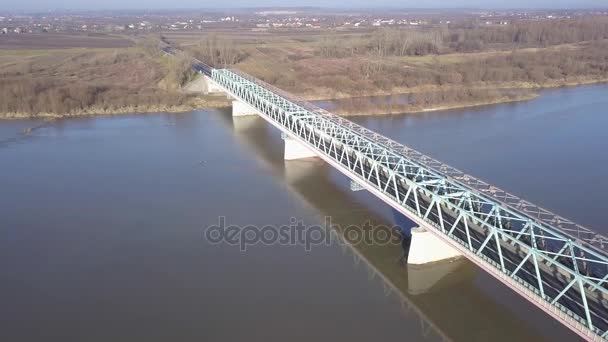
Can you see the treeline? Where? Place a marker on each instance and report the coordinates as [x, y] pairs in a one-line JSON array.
[[389, 42], [382, 43], [47, 96], [386, 42], [218, 52], [517, 68], [98, 81], [403, 103], [527, 33], [178, 67], [538, 68], [178, 72]]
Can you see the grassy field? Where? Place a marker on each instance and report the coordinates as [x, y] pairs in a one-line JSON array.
[[332, 65], [62, 41], [59, 74], [109, 75]]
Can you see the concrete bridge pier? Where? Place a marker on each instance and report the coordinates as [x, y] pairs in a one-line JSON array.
[[210, 87], [243, 124], [429, 260], [295, 149], [240, 108], [426, 248]]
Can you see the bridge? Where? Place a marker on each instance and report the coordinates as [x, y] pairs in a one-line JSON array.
[[420, 290], [558, 265]]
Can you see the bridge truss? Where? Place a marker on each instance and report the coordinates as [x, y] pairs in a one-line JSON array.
[[556, 264]]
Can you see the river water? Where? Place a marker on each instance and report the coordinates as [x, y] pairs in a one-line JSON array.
[[102, 227]]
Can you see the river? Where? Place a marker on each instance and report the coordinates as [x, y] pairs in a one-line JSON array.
[[102, 226]]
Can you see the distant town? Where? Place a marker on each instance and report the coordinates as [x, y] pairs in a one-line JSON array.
[[266, 19]]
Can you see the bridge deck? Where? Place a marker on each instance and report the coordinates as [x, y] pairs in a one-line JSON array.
[[558, 265]]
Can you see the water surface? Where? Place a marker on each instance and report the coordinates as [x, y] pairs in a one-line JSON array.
[[550, 151], [102, 218]]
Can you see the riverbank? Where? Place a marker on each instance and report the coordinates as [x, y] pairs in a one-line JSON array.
[[42, 82], [326, 94], [398, 109], [306, 69], [383, 103], [194, 104], [372, 103]]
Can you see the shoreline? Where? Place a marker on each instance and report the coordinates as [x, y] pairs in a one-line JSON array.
[[503, 100], [328, 95], [397, 111], [202, 103], [220, 102]]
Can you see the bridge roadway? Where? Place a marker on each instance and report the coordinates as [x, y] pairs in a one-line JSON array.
[[558, 265]]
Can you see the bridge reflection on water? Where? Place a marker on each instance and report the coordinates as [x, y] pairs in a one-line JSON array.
[[452, 302]]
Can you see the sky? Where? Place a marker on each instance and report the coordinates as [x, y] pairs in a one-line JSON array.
[[42, 5]]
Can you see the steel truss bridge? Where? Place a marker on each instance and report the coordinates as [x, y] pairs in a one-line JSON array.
[[558, 265]]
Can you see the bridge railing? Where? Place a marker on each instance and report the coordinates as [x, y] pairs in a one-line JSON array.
[[565, 273], [576, 231]]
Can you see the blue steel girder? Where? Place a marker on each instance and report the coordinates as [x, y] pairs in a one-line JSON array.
[[559, 265]]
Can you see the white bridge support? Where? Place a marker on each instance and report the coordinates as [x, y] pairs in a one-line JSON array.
[[426, 248], [240, 108], [211, 87], [295, 149]]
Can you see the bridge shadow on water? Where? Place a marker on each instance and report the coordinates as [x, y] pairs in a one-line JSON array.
[[453, 301]]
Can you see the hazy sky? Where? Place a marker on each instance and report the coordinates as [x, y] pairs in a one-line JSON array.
[[164, 4]]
